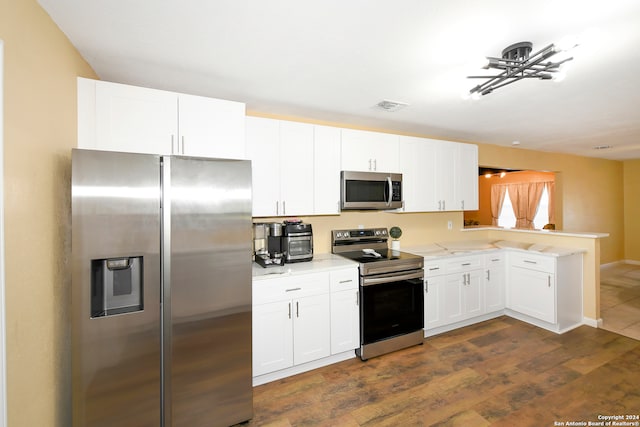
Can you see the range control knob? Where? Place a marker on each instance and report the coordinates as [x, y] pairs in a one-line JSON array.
[[384, 232], [377, 232]]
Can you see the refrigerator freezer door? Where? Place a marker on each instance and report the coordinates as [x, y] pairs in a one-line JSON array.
[[207, 208], [115, 358]]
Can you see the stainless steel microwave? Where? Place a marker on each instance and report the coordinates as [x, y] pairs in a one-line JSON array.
[[370, 190]]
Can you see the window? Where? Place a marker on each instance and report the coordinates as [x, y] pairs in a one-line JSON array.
[[507, 217]]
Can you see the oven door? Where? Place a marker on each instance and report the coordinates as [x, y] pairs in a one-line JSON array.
[[392, 304]]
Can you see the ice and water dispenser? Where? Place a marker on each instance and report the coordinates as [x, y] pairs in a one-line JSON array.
[[116, 286]]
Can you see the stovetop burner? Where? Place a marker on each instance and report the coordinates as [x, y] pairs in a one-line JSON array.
[[369, 248], [384, 255]]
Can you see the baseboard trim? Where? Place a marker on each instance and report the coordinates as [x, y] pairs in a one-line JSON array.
[[594, 323]]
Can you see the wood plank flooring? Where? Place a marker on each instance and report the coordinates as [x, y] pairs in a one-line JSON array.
[[502, 372]]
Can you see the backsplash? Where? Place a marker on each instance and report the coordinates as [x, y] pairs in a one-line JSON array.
[[417, 228]]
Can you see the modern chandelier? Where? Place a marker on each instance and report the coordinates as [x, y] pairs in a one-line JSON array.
[[517, 63]]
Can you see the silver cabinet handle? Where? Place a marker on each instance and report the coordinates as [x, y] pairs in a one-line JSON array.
[[463, 205], [345, 281], [284, 208], [182, 144], [357, 298], [289, 310], [549, 280], [277, 208], [172, 149], [530, 262], [370, 164], [434, 268], [488, 275], [426, 286], [292, 289], [297, 309], [444, 205], [375, 164], [464, 264]]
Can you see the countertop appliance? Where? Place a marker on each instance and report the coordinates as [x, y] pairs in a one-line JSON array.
[[370, 190], [267, 244], [391, 291], [161, 290], [297, 241]]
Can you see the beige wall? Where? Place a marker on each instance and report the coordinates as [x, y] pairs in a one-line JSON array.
[[632, 210], [588, 190], [40, 130]]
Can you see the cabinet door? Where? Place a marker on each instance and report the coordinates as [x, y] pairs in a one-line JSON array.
[[296, 168], [326, 170], [418, 163], [466, 177], [311, 328], [444, 176], [262, 139], [453, 292], [135, 119], [369, 151], [494, 284], [345, 321], [532, 292], [272, 337], [473, 294], [434, 302], [211, 127]]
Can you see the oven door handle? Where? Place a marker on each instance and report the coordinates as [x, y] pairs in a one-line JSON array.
[[392, 277]]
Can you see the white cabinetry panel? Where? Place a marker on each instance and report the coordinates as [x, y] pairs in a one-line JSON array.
[[135, 119], [369, 151]]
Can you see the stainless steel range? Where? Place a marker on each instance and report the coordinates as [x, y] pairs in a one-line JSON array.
[[391, 291]]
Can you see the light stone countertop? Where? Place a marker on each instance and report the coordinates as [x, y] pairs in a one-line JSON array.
[[319, 263], [474, 247]]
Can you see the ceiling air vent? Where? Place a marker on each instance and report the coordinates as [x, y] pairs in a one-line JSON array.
[[391, 106]]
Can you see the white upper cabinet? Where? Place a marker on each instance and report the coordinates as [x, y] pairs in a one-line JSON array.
[[296, 167], [282, 159], [369, 151], [466, 177], [118, 117], [263, 148], [211, 127], [135, 119], [326, 171], [438, 175]]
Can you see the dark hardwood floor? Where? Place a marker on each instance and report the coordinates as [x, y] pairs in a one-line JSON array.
[[502, 372]]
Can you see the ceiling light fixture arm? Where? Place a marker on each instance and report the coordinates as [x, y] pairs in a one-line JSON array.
[[517, 65]]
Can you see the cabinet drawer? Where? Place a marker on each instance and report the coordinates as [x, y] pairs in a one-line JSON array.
[[495, 259], [464, 264], [290, 287], [434, 268], [343, 280], [532, 262]]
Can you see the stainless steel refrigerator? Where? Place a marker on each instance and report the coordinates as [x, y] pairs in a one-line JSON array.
[[161, 290]]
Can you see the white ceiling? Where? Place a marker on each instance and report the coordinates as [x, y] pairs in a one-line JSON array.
[[334, 60]]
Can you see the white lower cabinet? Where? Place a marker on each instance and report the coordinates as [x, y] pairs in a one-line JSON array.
[[290, 321], [345, 310], [494, 282], [545, 290], [453, 290], [304, 318]]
